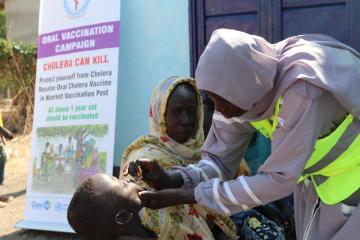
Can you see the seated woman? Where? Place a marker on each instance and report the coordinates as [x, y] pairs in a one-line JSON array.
[[105, 208], [175, 138]]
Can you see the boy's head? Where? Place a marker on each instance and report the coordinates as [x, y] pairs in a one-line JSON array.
[[102, 207]]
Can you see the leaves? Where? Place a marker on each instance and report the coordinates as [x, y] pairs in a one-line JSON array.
[[17, 65], [17, 74], [2, 24], [98, 130]]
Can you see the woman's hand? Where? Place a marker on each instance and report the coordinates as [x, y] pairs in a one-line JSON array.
[[167, 197], [150, 172]]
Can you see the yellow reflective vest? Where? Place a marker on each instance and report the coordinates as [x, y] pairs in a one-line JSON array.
[[334, 166]]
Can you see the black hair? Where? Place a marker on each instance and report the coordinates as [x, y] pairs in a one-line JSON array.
[[185, 85], [87, 211]]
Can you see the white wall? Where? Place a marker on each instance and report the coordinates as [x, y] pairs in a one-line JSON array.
[[22, 20], [154, 44]]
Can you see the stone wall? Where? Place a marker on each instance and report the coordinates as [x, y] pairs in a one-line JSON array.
[[22, 20]]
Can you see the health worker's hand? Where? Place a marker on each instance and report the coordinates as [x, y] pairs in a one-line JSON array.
[[166, 198], [151, 173]]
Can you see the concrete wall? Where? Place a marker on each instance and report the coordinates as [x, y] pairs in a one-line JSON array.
[[22, 20], [154, 44]]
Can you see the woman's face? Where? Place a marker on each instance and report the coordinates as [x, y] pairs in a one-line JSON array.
[[225, 107], [181, 115]]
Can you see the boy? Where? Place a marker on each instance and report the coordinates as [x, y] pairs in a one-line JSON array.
[[106, 208]]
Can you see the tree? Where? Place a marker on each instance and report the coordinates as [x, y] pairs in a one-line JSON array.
[[17, 73], [79, 132]]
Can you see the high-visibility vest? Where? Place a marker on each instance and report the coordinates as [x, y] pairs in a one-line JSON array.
[[333, 169]]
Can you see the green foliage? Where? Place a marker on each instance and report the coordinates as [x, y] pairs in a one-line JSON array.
[[17, 66], [2, 24], [83, 131], [102, 158], [17, 63], [17, 73]]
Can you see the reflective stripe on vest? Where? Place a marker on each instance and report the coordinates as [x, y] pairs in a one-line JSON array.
[[334, 166]]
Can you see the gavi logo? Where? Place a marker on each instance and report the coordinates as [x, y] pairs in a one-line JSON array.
[[45, 205]]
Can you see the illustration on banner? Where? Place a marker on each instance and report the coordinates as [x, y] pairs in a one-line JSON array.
[[66, 156]]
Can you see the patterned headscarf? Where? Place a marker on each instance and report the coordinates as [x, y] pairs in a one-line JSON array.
[[160, 98], [158, 145]]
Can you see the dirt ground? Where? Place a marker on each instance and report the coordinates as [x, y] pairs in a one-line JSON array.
[[16, 171]]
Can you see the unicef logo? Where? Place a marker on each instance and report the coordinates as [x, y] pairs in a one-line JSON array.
[[75, 8], [47, 205], [61, 207]]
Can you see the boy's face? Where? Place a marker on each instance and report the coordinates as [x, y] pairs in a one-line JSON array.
[[104, 197], [125, 193]]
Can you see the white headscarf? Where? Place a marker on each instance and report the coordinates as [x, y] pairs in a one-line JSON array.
[[251, 73]]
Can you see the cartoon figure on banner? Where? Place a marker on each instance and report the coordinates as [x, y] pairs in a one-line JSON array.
[[89, 163], [44, 172], [69, 148], [51, 160], [60, 160]]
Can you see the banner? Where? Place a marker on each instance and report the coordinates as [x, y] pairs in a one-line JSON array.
[[75, 105]]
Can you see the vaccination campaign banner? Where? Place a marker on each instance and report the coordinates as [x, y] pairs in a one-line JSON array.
[[75, 105]]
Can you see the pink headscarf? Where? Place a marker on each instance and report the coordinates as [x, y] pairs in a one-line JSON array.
[[251, 73]]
